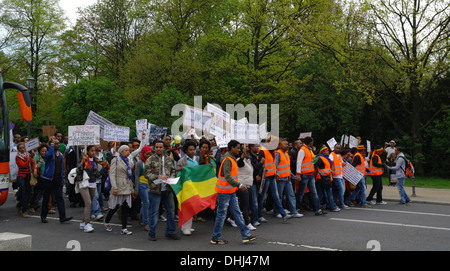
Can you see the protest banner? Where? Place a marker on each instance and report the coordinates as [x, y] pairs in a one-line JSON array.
[[32, 144], [196, 118], [351, 174], [95, 119], [157, 132], [222, 141], [116, 133], [84, 135], [220, 120]]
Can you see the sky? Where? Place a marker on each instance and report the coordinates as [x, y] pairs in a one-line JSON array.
[[71, 7]]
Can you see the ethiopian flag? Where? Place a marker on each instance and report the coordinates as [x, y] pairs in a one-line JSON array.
[[195, 190]]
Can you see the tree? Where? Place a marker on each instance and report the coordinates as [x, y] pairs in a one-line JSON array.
[[416, 34], [35, 26]]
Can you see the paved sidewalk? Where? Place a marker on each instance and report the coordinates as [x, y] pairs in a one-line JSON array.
[[423, 195]]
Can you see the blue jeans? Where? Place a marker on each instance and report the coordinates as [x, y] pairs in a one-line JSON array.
[[360, 192], [327, 194], [286, 185], [166, 197], [96, 209], [144, 195], [308, 180], [253, 194], [403, 196], [340, 191], [270, 182], [223, 202]]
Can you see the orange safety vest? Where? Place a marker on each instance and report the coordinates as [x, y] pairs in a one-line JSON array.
[[337, 164], [361, 167], [269, 162], [326, 171], [375, 171], [307, 163], [284, 167], [222, 185]]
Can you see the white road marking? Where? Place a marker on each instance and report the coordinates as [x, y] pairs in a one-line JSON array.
[[398, 211], [390, 224], [305, 246]]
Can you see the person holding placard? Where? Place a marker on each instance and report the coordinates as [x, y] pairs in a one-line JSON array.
[[360, 191], [324, 178]]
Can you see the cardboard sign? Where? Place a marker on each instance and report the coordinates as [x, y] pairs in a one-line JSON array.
[[84, 135], [32, 144], [351, 174], [116, 133], [48, 131]]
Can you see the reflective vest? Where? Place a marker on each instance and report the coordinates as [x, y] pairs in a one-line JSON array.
[[307, 163], [222, 186], [375, 171], [362, 166], [337, 165], [269, 162], [284, 167], [326, 171]]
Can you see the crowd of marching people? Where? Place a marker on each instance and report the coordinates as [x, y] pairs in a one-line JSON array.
[[275, 178]]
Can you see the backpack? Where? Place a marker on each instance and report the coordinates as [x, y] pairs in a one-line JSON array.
[[409, 170]]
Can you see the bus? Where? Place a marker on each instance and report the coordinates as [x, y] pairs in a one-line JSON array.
[[24, 98]]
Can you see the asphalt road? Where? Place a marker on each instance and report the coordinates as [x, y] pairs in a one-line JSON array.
[[391, 227]]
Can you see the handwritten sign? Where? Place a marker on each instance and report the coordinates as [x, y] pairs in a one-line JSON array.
[[303, 135], [32, 144], [331, 143], [84, 135], [222, 142], [353, 142], [95, 119], [351, 174], [116, 133], [141, 126]]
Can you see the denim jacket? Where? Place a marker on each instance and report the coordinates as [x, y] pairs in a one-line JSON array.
[[50, 164]]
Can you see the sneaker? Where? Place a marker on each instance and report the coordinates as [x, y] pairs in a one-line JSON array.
[[297, 215], [98, 217], [256, 224], [262, 220], [231, 222], [336, 210], [126, 232], [218, 241], [286, 217], [88, 228], [365, 206], [186, 232], [249, 239], [372, 202], [108, 227], [250, 227], [381, 203], [278, 216]]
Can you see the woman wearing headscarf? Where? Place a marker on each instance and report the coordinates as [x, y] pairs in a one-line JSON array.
[[121, 177], [141, 185]]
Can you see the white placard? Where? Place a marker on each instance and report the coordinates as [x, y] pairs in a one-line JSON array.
[[141, 126], [369, 148], [32, 144], [117, 133], [331, 143], [353, 142], [303, 135], [84, 135], [196, 118], [220, 122], [351, 174], [95, 119], [222, 142]]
